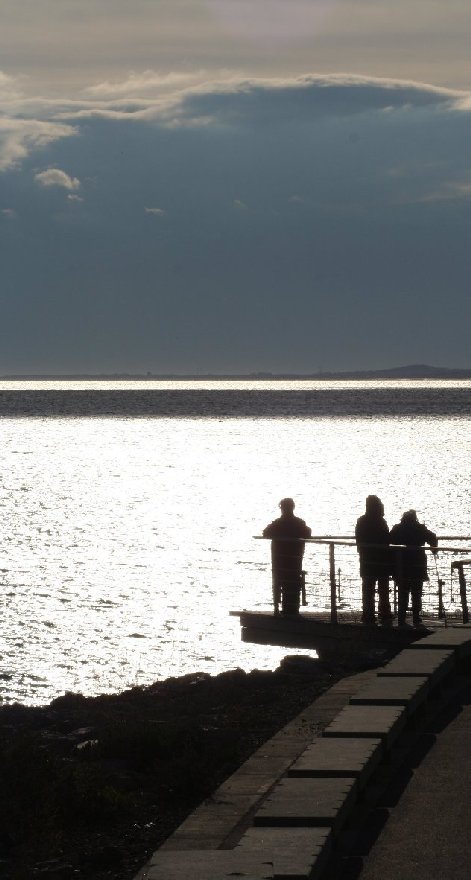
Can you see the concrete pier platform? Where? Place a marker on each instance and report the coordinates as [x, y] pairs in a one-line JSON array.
[[348, 637]]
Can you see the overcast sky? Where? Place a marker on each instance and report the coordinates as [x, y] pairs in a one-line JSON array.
[[234, 185]]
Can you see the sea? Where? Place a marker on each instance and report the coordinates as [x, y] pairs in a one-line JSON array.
[[132, 512]]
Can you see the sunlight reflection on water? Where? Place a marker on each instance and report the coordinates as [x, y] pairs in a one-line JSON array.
[[127, 541]]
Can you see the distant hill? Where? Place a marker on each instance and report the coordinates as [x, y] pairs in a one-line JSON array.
[[413, 371]]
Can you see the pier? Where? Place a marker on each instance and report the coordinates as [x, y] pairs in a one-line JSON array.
[[332, 626], [315, 631]]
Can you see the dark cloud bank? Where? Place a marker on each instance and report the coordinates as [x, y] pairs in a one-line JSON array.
[[289, 227]]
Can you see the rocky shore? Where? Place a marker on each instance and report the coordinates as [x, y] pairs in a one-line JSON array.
[[90, 787]]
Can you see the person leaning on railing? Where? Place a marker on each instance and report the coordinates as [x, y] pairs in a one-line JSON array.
[[287, 552], [372, 538], [411, 564]]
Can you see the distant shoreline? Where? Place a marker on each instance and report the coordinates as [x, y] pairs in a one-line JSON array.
[[416, 371]]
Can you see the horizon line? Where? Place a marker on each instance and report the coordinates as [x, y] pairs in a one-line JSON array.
[[411, 371]]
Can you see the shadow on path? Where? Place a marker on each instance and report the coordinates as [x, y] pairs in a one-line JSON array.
[[415, 821]]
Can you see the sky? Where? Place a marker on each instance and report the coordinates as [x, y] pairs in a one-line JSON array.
[[232, 186]]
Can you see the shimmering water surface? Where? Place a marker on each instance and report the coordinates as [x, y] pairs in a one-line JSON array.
[[128, 530]]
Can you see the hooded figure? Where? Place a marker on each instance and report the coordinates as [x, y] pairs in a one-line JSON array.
[[287, 550], [411, 563], [372, 537]]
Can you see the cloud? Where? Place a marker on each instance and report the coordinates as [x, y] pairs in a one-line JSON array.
[[313, 108], [9, 87], [361, 109], [9, 213], [57, 177], [74, 198], [275, 100], [200, 100], [358, 194], [452, 190], [20, 137], [149, 81]]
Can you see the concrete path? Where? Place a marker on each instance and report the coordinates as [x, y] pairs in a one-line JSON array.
[[221, 821], [299, 807]]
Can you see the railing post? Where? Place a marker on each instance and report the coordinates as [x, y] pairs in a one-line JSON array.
[[441, 610], [463, 596], [333, 585], [398, 580]]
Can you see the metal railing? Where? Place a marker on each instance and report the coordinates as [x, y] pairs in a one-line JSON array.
[[333, 584], [458, 565]]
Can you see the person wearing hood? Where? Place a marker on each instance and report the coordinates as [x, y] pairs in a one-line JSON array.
[[287, 550], [411, 564], [372, 538]]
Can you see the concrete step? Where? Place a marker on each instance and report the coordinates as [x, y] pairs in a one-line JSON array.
[[408, 691], [308, 802], [453, 637], [356, 758], [384, 722], [434, 663]]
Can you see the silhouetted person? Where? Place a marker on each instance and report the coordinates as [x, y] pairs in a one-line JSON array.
[[411, 563], [287, 557], [375, 562]]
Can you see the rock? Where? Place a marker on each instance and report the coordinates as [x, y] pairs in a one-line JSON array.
[[110, 807], [300, 664]]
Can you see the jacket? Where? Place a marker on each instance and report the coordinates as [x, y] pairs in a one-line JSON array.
[[374, 561], [411, 561]]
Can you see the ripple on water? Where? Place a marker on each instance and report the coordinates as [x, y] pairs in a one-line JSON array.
[[170, 567]]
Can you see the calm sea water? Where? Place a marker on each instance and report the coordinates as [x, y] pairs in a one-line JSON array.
[[129, 512]]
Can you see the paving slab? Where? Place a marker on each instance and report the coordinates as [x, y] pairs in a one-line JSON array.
[[209, 865], [357, 758], [384, 722], [394, 690], [296, 853], [306, 802], [457, 637], [435, 663]]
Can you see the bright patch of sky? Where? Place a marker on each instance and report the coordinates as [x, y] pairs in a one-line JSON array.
[[64, 46]]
